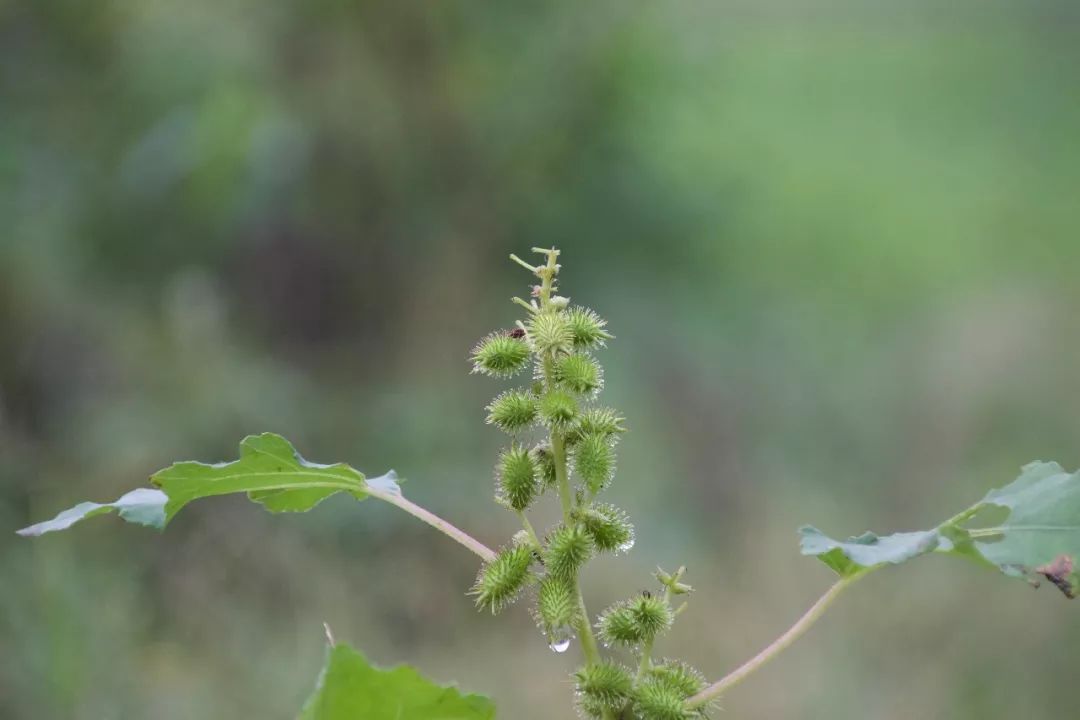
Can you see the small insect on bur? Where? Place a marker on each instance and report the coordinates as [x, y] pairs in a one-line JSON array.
[[516, 333]]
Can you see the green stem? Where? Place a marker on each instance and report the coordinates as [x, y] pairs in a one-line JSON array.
[[646, 647], [562, 480], [529, 529], [398, 500], [776, 647], [589, 647]]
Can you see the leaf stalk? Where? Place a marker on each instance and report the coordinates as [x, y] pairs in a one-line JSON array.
[[777, 646]]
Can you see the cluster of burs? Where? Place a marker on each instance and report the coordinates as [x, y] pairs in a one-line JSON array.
[[563, 442]]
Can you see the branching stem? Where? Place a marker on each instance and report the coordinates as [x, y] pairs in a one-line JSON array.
[[776, 647]]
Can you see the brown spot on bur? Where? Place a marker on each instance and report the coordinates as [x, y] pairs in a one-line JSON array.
[[516, 333], [1060, 573]]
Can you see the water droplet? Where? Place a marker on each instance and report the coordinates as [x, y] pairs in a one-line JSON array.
[[559, 639], [626, 546]]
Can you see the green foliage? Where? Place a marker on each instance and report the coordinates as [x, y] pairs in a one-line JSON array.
[[518, 478], [350, 688], [1038, 539], [501, 580], [142, 506], [269, 470], [500, 355], [512, 411]]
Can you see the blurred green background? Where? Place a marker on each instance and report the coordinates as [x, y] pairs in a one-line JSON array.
[[837, 243]]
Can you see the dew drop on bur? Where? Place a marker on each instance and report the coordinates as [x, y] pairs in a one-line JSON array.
[[559, 639], [559, 646]]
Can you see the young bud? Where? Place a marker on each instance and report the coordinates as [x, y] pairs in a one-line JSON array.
[[578, 373], [672, 581], [500, 580], [499, 355], [604, 685], [568, 548], [558, 408], [512, 411], [549, 333], [596, 421], [556, 604], [594, 461], [608, 527], [630, 622], [545, 463], [518, 482], [587, 328]]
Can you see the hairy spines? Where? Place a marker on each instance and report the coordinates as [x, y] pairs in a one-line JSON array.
[[603, 686], [578, 373], [558, 408], [594, 461], [568, 549], [586, 327], [518, 478], [631, 622], [501, 580], [596, 421], [549, 333], [556, 605], [609, 528], [513, 411], [663, 691], [545, 462], [500, 355]]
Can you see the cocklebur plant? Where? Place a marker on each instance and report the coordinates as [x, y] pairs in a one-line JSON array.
[[561, 447]]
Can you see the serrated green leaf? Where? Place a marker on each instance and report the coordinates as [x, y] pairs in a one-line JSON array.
[[1039, 538], [269, 470], [350, 688]]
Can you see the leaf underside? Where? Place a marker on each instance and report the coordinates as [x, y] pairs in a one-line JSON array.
[[269, 470], [1039, 538], [350, 688]]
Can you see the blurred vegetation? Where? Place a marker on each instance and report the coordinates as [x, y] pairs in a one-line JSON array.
[[837, 243]]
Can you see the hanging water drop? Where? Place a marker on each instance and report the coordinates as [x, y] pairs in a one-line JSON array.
[[559, 646], [559, 639]]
